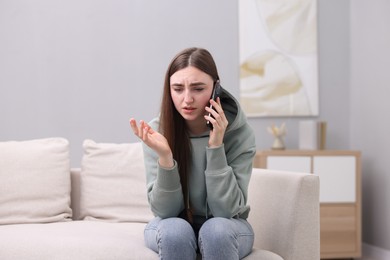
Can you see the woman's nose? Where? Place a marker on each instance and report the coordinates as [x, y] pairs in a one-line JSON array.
[[188, 97]]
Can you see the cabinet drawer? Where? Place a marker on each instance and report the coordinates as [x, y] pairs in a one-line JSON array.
[[338, 233]]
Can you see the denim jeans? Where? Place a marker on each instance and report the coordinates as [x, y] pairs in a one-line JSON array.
[[219, 238]]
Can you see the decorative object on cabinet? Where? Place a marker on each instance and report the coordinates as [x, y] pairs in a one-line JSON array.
[[278, 133], [340, 194], [312, 135], [321, 135]]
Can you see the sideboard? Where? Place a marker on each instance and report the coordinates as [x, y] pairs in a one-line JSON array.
[[340, 194]]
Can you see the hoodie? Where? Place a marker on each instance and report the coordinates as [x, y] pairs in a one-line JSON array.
[[218, 177]]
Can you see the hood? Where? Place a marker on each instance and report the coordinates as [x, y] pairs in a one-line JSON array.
[[233, 111]]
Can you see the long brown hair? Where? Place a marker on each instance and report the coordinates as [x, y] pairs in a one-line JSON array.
[[172, 124]]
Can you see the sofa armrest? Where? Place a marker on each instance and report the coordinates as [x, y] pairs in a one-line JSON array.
[[285, 213], [75, 176]]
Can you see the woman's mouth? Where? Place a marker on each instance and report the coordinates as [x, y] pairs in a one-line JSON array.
[[188, 110]]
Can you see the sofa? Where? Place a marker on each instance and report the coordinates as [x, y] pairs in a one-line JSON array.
[[50, 211]]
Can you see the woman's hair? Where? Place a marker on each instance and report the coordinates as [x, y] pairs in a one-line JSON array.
[[172, 124]]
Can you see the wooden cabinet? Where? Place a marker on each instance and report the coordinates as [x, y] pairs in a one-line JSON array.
[[340, 194]]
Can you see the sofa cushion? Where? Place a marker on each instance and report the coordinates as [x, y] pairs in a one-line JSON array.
[[75, 240], [113, 183], [263, 255], [34, 181]]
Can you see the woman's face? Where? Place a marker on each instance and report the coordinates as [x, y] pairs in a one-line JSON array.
[[191, 91]]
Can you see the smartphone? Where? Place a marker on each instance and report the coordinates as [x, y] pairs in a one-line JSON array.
[[217, 90]]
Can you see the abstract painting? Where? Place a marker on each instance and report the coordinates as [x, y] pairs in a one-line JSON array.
[[278, 57]]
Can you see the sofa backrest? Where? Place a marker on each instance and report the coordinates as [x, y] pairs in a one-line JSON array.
[[285, 213]]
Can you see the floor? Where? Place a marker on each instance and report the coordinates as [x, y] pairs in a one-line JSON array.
[[363, 258], [371, 253]]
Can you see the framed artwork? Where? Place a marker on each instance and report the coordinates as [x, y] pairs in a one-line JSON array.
[[278, 57]]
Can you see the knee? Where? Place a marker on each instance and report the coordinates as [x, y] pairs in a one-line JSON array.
[[217, 240], [217, 230], [175, 230], [174, 239]]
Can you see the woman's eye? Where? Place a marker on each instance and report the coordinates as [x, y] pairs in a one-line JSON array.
[[178, 90], [199, 89]]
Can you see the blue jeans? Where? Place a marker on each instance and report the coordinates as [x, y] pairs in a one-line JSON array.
[[219, 238]]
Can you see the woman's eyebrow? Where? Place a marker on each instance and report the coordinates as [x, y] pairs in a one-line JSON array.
[[176, 84], [197, 84], [192, 84]]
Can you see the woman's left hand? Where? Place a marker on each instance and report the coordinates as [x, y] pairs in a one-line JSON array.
[[219, 122]]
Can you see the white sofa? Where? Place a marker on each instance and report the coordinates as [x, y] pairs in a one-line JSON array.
[[105, 207]]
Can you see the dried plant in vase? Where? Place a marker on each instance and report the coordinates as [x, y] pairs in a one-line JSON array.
[[278, 133]]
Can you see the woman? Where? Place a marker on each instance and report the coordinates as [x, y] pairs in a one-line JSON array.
[[197, 177]]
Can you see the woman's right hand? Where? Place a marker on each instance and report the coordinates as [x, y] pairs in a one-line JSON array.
[[154, 140]]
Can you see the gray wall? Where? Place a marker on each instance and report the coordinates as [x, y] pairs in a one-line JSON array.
[[81, 69], [370, 92]]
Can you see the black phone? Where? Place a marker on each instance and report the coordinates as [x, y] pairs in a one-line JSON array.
[[217, 90]]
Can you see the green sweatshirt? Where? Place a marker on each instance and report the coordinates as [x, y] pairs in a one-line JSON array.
[[219, 177]]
